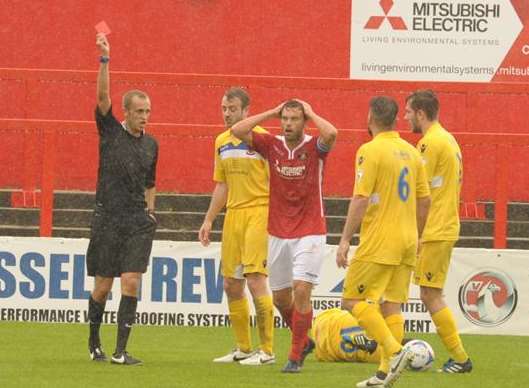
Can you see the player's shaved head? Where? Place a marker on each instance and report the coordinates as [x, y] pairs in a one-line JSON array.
[[383, 112], [127, 97]]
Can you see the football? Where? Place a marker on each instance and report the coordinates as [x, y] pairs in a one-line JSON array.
[[423, 355]]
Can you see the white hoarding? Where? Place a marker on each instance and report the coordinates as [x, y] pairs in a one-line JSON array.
[[422, 40], [44, 280]]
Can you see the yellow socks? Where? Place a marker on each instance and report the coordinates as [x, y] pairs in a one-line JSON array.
[[369, 318], [395, 325], [447, 330], [264, 310], [240, 321]]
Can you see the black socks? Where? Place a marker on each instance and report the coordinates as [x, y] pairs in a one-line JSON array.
[[126, 318], [95, 316]]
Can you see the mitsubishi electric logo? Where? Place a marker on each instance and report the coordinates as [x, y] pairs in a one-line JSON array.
[[374, 22], [448, 16], [387, 35]]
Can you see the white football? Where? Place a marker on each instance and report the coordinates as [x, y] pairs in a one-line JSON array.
[[423, 355]]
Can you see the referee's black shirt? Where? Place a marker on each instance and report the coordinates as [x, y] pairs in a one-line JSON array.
[[127, 165]]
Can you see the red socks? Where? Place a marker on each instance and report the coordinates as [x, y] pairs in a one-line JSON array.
[[301, 323], [287, 316]]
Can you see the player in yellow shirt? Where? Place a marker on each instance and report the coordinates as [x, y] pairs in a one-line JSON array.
[[338, 337], [390, 205], [444, 167], [241, 177]]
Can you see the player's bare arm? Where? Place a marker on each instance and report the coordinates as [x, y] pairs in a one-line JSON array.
[[355, 214], [103, 78], [218, 201], [243, 129], [328, 132], [423, 207]]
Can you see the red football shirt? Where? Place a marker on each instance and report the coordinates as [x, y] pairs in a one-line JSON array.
[[296, 177]]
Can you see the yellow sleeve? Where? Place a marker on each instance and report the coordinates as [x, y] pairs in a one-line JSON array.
[[259, 129], [430, 156], [423, 187], [366, 172], [218, 172]]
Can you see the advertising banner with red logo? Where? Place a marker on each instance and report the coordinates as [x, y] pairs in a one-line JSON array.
[[450, 40], [44, 280], [487, 290]]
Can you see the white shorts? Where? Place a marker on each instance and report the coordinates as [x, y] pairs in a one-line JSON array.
[[295, 259]]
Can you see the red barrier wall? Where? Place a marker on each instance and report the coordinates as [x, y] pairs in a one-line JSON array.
[[296, 48], [186, 158], [289, 38]]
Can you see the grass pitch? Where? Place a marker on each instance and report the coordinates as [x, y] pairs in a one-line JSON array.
[[56, 355]]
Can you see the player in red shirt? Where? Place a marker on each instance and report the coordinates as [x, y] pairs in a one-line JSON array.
[[296, 221]]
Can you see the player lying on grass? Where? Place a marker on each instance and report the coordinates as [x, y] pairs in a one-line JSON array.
[[337, 336]]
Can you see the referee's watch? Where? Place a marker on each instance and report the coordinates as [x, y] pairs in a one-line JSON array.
[[104, 59]]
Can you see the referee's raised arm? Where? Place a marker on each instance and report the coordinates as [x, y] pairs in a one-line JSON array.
[[103, 78]]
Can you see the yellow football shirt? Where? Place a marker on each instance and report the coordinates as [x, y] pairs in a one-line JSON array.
[[390, 172], [243, 170], [444, 167], [333, 332]]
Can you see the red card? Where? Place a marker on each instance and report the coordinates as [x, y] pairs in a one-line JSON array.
[[102, 27]]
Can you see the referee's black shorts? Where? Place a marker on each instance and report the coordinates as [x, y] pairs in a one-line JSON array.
[[119, 242]]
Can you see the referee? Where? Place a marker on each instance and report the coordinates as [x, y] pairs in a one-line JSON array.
[[123, 223]]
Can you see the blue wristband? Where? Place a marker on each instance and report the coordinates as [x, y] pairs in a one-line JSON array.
[[104, 59]]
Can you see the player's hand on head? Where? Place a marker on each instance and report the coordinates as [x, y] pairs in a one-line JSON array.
[[102, 44], [203, 233], [341, 255], [277, 110], [306, 107]]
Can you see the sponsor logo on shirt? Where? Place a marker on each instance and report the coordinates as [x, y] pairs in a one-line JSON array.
[[402, 155], [290, 171]]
